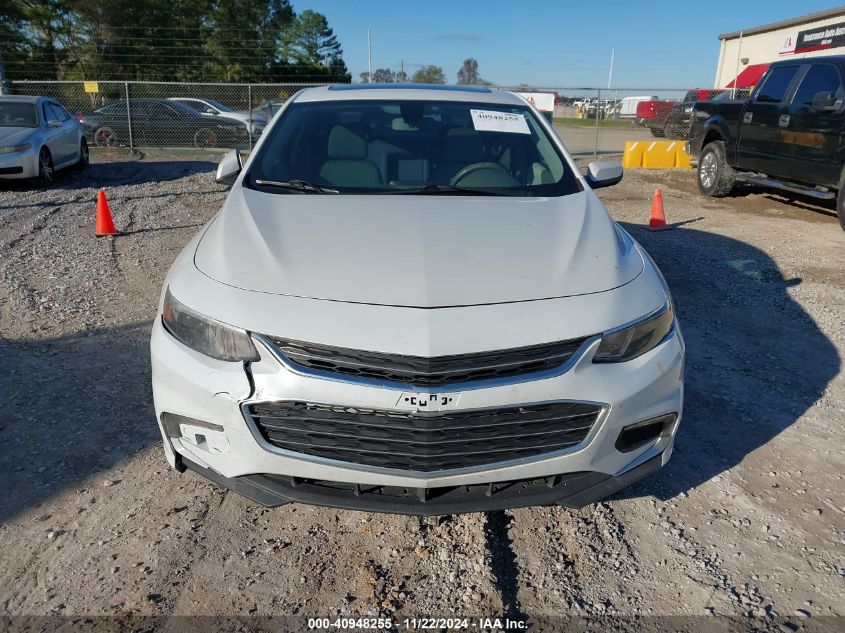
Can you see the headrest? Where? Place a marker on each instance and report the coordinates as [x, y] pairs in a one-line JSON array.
[[400, 125], [344, 143]]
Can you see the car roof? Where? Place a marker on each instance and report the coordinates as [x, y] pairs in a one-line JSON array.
[[410, 92], [25, 98], [811, 60]]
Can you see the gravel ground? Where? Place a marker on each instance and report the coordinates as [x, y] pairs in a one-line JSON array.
[[747, 521]]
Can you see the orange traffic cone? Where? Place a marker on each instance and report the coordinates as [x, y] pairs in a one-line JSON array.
[[658, 217], [105, 225]]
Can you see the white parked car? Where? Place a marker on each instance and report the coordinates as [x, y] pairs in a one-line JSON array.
[[38, 136], [255, 123], [412, 301]]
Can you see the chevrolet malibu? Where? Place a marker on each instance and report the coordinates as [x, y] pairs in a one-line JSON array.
[[413, 302]]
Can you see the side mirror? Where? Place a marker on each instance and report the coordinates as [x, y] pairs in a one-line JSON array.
[[604, 174], [824, 101], [54, 123], [229, 168]]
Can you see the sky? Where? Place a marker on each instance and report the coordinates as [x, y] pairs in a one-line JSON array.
[[556, 43]]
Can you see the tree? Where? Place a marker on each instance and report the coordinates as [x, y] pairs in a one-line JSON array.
[[167, 40], [385, 76], [14, 47], [468, 73], [124, 39], [312, 46], [244, 37], [42, 22], [429, 75]]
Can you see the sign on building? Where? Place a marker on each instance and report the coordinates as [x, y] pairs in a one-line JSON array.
[[815, 39]]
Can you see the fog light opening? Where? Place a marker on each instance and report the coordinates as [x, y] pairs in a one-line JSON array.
[[172, 424], [639, 434]]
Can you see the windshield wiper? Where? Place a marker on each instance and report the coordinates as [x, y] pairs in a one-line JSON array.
[[295, 185], [448, 189]]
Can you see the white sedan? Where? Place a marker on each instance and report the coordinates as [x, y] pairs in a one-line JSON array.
[[413, 302], [38, 136], [255, 123]]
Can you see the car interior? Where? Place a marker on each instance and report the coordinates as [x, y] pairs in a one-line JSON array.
[[18, 114], [405, 145]]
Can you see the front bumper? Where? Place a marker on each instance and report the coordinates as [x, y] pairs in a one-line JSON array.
[[574, 490], [19, 165], [189, 384]]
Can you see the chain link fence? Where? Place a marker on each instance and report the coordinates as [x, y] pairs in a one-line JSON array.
[[599, 121], [591, 121], [166, 115]]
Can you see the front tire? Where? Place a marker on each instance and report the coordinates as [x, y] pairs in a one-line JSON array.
[[84, 156], [45, 168], [658, 132], [715, 177]]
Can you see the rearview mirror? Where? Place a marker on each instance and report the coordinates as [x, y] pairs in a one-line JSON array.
[[604, 174], [54, 123], [229, 168], [825, 101]]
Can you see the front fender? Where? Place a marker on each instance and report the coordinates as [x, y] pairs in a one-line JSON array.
[[703, 133]]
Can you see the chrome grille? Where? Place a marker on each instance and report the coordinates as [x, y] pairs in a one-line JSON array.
[[432, 371]]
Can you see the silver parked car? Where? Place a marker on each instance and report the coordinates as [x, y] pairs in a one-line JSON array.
[[37, 137], [255, 123]]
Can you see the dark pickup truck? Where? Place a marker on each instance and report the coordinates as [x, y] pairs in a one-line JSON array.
[[789, 134]]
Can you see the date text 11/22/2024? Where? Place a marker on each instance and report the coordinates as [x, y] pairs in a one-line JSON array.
[[422, 623]]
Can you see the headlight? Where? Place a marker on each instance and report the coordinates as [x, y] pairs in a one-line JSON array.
[[205, 335], [688, 109], [635, 340], [9, 149]]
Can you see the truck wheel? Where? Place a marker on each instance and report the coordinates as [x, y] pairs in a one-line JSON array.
[[658, 132], [715, 177], [840, 207]]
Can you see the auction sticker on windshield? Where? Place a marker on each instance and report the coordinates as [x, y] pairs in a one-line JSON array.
[[493, 121]]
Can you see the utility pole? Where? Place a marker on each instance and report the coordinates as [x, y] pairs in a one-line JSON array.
[[4, 83], [610, 76], [402, 70], [369, 58]]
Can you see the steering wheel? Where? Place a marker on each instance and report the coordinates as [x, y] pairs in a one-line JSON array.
[[476, 167]]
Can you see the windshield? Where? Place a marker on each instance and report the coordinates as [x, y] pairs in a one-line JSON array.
[[15, 114], [219, 105], [404, 146]]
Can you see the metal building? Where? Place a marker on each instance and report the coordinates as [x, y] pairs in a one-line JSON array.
[[745, 55]]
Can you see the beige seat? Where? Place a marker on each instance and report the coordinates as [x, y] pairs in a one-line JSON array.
[[347, 165]]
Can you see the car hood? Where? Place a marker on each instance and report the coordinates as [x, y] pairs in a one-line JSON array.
[[15, 135], [417, 250]]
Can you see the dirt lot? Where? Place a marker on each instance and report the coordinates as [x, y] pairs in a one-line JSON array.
[[747, 521]]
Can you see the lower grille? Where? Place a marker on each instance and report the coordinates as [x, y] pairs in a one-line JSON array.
[[423, 441]]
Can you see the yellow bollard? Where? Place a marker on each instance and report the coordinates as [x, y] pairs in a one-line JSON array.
[[682, 159], [660, 154], [633, 156]]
